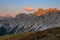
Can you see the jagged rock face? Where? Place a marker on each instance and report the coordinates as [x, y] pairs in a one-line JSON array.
[[4, 27], [32, 23]]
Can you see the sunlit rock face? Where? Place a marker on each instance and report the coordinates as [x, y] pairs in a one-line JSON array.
[[29, 22], [41, 11]]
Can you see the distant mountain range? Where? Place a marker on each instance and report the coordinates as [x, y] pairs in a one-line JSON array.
[[29, 23]]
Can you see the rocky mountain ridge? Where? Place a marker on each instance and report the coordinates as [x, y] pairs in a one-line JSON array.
[[29, 23]]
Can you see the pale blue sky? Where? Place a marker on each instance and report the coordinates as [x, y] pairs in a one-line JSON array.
[[16, 6]]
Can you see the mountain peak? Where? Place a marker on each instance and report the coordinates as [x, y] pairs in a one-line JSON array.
[[7, 16], [41, 11]]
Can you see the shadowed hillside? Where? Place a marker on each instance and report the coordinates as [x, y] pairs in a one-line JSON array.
[[48, 34]]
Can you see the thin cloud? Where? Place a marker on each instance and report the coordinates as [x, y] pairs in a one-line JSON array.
[[29, 9]]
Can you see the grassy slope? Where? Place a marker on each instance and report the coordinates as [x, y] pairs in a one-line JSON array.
[[14, 36], [49, 34]]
